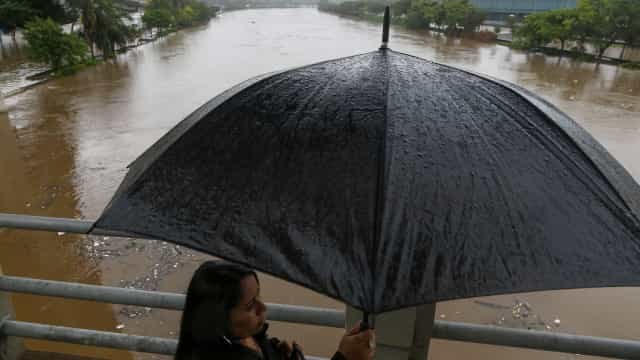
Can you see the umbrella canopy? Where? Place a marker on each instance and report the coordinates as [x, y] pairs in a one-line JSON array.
[[385, 180]]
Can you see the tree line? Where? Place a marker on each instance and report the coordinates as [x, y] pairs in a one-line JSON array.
[[450, 16], [105, 26], [169, 15], [600, 23]]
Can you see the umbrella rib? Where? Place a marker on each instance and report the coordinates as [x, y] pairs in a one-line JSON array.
[[380, 183]]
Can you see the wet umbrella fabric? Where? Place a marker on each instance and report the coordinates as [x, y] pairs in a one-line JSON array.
[[386, 181]]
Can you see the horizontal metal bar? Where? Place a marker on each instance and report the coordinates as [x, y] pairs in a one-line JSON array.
[[539, 340], [89, 337], [306, 315], [44, 223], [138, 343], [493, 335], [277, 312], [108, 294]]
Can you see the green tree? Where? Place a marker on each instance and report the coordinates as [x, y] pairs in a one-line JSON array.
[[103, 25], [49, 44], [401, 7], [418, 15], [630, 24], [455, 12], [560, 25], [158, 19], [375, 7], [434, 12], [532, 32], [14, 14], [473, 19], [600, 23], [158, 15], [201, 11], [185, 17]]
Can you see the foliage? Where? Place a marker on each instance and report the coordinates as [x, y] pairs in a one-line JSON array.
[[401, 8], [15, 14], [560, 25], [531, 33], [451, 16], [103, 25], [416, 15], [49, 44], [598, 22], [375, 7], [350, 8], [168, 14], [159, 19]]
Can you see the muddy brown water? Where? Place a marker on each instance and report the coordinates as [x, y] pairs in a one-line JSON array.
[[64, 147]]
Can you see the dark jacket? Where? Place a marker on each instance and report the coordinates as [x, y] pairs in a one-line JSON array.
[[235, 351]]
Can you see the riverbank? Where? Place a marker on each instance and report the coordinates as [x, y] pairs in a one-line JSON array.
[[361, 13], [48, 74]]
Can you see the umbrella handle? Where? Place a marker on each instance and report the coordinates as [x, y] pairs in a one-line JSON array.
[[366, 324]]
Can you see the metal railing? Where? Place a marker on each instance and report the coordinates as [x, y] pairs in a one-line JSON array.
[[446, 330]]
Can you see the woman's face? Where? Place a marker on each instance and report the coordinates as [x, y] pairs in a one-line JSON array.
[[248, 317]]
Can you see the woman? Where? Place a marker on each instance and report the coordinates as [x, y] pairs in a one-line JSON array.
[[224, 319]]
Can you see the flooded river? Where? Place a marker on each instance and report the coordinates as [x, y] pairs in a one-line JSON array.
[[65, 145]]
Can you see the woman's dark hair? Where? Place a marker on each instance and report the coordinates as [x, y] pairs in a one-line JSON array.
[[213, 291]]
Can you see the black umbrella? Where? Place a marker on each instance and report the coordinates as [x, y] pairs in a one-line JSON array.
[[385, 180]]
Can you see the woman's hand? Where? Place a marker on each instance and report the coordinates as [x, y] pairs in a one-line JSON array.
[[286, 348], [357, 345]]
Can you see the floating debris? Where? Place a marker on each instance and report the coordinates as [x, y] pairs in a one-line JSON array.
[[572, 97], [522, 316], [27, 204], [442, 316], [120, 326], [60, 233], [520, 310]]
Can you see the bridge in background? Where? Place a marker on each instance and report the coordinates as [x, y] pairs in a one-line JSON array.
[[501, 9]]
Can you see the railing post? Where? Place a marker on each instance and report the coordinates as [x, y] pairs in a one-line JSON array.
[[10, 347], [402, 334]]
